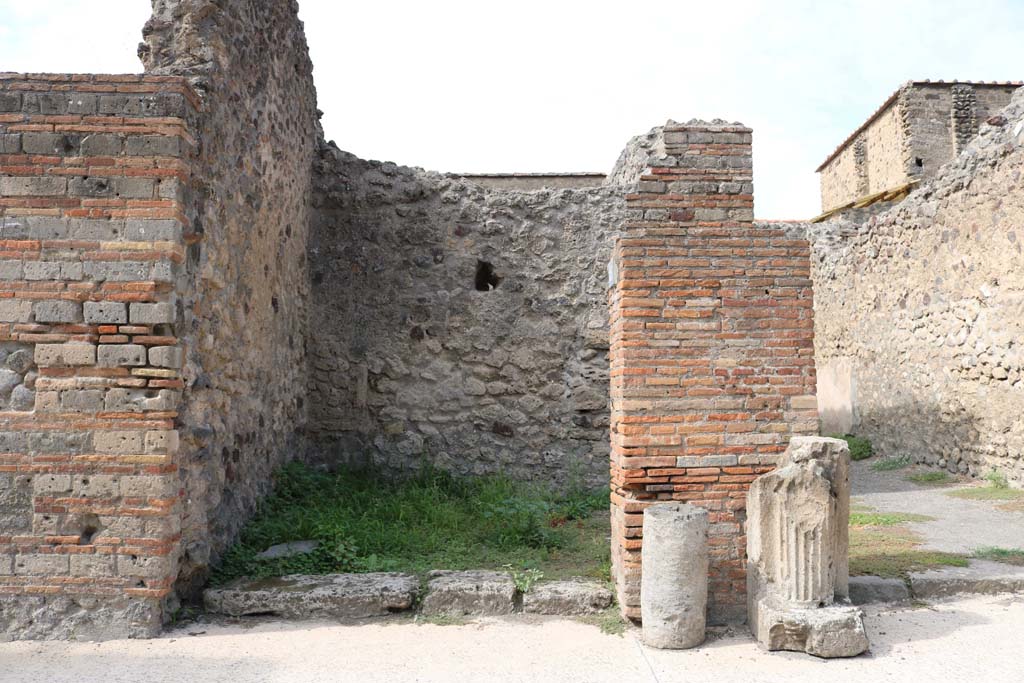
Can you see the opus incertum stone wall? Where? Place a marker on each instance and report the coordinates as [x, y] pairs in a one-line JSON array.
[[93, 231], [712, 366], [918, 314]]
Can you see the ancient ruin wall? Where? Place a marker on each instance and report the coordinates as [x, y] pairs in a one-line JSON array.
[[458, 325], [244, 291], [918, 314], [95, 174], [712, 368], [872, 162]]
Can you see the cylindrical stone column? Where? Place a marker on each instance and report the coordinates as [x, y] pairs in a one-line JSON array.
[[674, 576]]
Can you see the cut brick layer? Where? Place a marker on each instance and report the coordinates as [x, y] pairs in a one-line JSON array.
[[94, 178], [712, 366]]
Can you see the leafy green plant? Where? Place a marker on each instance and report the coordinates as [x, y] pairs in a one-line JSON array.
[[997, 479], [524, 579], [860, 447]]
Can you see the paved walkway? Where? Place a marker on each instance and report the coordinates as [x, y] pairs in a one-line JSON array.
[[973, 639], [959, 525]]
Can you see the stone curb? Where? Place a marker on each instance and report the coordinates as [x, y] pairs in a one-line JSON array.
[[980, 577], [447, 593]]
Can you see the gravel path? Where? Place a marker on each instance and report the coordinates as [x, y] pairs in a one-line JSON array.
[[970, 639], [960, 526]]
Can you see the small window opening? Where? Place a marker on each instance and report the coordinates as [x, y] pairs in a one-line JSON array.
[[919, 161], [486, 278]]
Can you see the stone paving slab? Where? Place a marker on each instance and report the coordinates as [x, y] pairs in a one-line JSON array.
[[301, 596], [866, 590], [980, 577], [469, 593], [573, 597]]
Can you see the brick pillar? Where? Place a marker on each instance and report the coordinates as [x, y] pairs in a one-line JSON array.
[[712, 365], [93, 175]]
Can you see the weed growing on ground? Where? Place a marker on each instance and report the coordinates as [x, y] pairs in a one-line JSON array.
[[892, 463], [1012, 556], [860, 448], [431, 521], [609, 621], [524, 579], [933, 478], [893, 551], [885, 518], [997, 479]]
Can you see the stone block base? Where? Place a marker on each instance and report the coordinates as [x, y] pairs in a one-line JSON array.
[[78, 617], [833, 631]]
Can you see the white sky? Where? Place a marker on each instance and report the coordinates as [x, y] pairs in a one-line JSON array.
[[562, 85]]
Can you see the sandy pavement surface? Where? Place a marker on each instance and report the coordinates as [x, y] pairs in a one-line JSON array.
[[970, 639]]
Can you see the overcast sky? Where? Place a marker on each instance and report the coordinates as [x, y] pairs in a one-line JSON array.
[[562, 85]]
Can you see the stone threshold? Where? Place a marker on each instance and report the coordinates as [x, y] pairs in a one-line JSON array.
[[441, 594], [979, 577]]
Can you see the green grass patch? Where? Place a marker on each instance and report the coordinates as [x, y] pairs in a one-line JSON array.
[[894, 552], [890, 464], [432, 521], [933, 478], [997, 479], [1006, 555], [987, 493], [860, 448], [885, 518]]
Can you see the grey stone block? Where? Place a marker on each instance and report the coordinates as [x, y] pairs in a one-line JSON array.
[[42, 270], [57, 311], [41, 565], [81, 400], [141, 230], [573, 597], [95, 229], [865, 590], [461, 593], [102, 144], [105, 312], [32, 186], [302, 597], [50, 143], [65, 354], [119, 271], [15, 311], [92, 565], [10, 143], [46, 227], [166, 356], [140, 400], [10, 101], [154, 145], [118, 441], [120, 355], [99, 186], [10, 270], [82, 103], [151, 314], [291, 549]]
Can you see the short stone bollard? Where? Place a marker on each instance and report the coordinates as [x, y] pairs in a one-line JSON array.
[[674, 576]]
